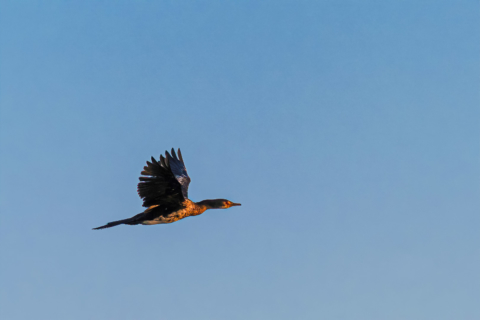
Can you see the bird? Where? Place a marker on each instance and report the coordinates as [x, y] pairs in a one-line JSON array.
[[163, 188]]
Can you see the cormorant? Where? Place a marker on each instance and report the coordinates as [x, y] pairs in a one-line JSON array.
[[163, 187]]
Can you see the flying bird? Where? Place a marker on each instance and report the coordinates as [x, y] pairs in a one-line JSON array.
[[163, 187]]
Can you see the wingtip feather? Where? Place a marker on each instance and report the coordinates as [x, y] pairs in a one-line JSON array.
[[180, 155]]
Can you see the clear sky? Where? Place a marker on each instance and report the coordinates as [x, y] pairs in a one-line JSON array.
[[348, 130]]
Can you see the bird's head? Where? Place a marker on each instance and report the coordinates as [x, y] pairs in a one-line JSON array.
[[218, 204]]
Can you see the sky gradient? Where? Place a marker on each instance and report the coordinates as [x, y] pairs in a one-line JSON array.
[[348, 130]]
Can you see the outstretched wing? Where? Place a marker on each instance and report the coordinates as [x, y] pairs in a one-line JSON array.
[[164, 182], [178, 169]]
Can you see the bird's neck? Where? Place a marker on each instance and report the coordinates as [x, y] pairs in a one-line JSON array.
[[207, 204]]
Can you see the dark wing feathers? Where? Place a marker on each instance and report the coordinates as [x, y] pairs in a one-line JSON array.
[[180, 156], [164, 182], [178, 169], [162, 160]]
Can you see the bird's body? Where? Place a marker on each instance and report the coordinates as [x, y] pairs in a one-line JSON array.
[[190, 208], [164, 190]]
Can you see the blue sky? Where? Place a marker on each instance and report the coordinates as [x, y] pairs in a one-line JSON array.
[[348, 130]]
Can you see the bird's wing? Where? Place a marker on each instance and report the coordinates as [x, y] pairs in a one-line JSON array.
[[179, 170], [159, 185]]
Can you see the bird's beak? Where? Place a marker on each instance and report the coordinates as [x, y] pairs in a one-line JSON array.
[[235, 204]]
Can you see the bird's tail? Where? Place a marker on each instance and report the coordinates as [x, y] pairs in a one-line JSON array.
[[115, 223]]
